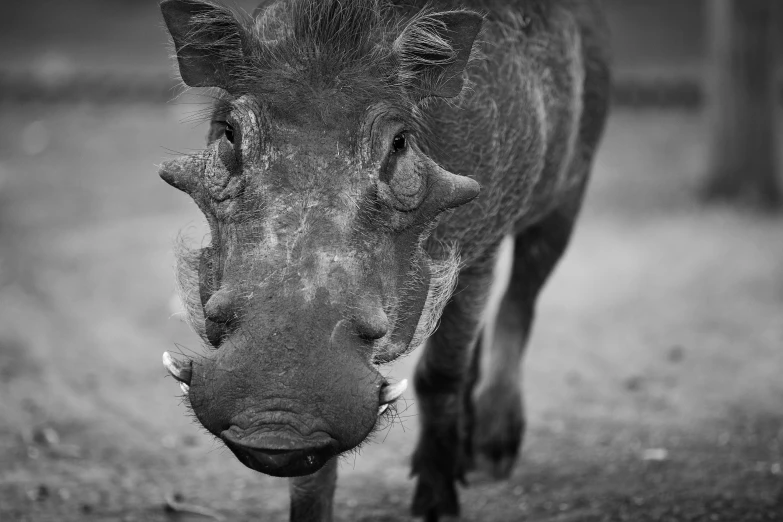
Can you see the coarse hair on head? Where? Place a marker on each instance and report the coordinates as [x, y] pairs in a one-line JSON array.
[[356, 49]]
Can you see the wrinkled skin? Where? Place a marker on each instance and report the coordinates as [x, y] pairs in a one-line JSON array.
[[341, 136], [315, 271], [306, 281]]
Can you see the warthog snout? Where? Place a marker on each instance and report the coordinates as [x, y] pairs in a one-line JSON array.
[[274, 420], [281, 411]]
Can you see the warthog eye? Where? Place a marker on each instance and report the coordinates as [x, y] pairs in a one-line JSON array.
[[220, 128], [398, 143], [229, 132]]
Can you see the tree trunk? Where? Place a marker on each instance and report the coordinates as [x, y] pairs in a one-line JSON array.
[[742, 103]]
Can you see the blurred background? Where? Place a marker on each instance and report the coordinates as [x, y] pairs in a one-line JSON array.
[[653, 379]]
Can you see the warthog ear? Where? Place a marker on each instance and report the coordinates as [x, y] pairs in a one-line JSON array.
[[433, 51], [208, 40]]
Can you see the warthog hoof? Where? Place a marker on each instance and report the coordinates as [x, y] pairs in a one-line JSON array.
[[437, 464], [498, 426]]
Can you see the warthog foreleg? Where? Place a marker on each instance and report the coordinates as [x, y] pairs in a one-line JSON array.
[[312, 496], [439, 380], [471, 399], [495, 403]]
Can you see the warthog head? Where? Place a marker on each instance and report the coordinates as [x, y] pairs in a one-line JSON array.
[[319, 194]]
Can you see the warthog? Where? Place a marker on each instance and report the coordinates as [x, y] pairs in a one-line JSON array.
[[371, 167]]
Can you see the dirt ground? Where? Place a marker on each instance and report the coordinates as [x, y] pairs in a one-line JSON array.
[[653, 379]]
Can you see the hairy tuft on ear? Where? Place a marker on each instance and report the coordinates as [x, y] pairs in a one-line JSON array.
[[434, 49], [208, 39]]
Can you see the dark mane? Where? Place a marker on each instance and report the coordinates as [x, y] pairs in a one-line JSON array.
[[302, 45], [289, 50], [344, 29]]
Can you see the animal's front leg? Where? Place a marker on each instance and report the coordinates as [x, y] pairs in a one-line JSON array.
[[524, 264], [439, 381], [312, 496]]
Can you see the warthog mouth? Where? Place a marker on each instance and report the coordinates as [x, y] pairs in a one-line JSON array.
[[281, 455], [279, 448]]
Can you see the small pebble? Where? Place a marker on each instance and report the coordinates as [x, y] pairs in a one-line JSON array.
[[46, 436], [634, 383], [655, 454], [38, 494], [676, 354]]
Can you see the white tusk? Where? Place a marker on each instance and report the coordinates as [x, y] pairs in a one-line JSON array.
[[185, 387], [392, 392], [177, 369], [382, 409]]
